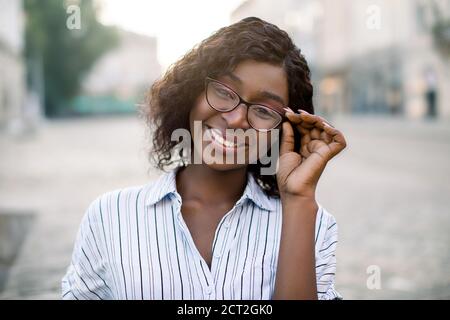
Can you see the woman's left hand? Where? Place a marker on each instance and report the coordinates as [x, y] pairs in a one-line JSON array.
[[299, 170]]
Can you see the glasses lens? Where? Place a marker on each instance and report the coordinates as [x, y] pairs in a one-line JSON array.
[[220, 97], [261, 117]]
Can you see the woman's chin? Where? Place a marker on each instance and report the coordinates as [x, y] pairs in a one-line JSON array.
[[224, 166]]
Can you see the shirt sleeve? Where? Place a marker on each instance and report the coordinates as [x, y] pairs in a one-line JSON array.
[[86, 278], [326, 242]]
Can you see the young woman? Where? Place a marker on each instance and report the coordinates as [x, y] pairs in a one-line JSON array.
[[220, 230]]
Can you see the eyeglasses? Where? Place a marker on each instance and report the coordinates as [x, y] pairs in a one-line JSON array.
[[224, 99]]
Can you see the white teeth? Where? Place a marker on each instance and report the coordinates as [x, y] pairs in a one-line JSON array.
[[218, 137]]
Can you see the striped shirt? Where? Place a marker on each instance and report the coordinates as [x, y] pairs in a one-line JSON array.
[[133, 243]]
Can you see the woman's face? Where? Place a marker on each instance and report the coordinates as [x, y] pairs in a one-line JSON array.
[[255, 82]]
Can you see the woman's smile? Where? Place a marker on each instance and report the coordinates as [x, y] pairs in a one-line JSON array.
[[224, 139]]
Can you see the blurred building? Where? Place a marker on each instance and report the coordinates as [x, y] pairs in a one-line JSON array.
[[122, 76], [12, 68], [370, 56], [297, 17]]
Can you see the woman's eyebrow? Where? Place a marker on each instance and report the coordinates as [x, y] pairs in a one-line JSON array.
[[263, 94], [233, 77], [272, 96]]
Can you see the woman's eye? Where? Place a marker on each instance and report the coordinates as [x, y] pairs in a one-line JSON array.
[[225, 93], [263, 112]]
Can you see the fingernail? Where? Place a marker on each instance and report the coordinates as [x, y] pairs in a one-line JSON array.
[[303, 111], [327, 125], [288, 110]]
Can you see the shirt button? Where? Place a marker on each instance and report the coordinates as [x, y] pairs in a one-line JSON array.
[[217, 255], [208, 290]]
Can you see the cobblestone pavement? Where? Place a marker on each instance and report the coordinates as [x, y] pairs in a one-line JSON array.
[[389, 192]]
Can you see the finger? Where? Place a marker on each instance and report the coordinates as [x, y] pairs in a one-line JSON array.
[[338, 142], [304, 141], [293, 117], [304, 150], [289, 109], [287, 138], [310, 147], [334, 133], [315, 120], [310, 118], [306, 125], [297, 119], [315, 133], [300, 124], [303, 130], [326, 137]]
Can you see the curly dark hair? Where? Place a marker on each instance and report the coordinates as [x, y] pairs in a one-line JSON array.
[[171, 97]]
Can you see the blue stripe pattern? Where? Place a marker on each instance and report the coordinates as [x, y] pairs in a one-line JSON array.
[[133, 243]]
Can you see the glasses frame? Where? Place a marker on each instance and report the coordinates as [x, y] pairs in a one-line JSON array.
[[241, 101]]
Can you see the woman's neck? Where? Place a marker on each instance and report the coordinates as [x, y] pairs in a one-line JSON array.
[[202, 183]]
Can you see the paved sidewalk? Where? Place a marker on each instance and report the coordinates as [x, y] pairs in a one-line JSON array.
[[388, 191]]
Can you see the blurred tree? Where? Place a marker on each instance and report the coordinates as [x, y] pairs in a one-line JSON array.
[[63, 54], [441, 28]]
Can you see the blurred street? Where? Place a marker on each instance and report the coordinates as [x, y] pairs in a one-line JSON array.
[[389, 192]]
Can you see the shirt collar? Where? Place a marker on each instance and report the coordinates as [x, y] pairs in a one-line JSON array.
[[166, 184], [256, 194]]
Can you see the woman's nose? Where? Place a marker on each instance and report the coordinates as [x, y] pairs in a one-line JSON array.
[[237, 118]]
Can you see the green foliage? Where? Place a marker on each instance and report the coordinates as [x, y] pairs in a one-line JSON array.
[[441, 35], [66, 55]]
